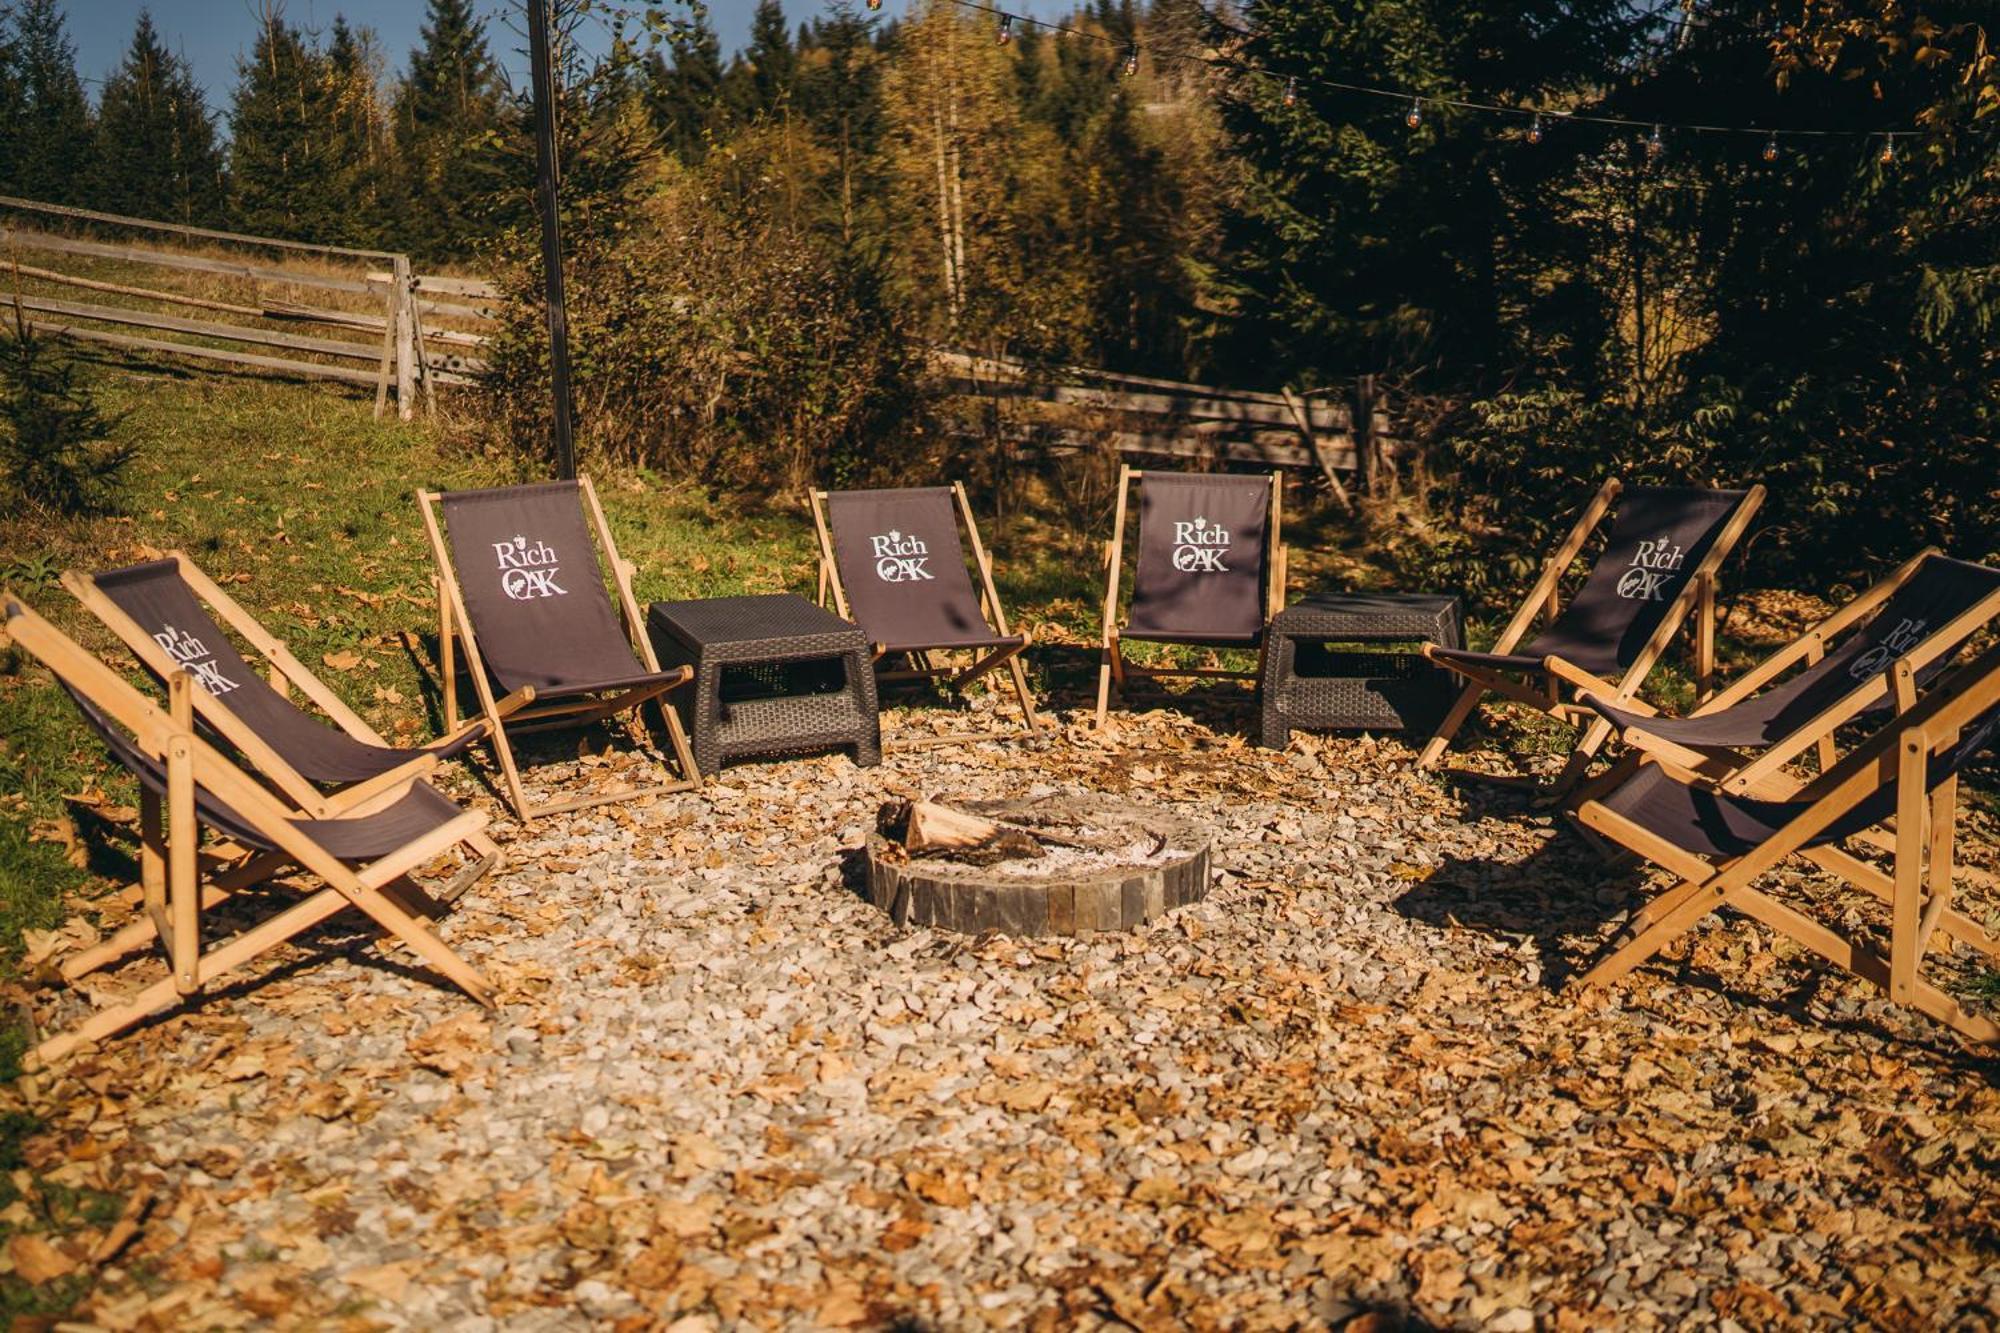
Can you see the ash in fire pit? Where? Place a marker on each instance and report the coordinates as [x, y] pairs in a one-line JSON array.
[[1061, 865]]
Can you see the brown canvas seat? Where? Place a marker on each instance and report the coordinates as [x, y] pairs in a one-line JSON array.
[[185, 785], [1898, 789], [1659, 564], [1210, 570], [1926, 611], [892, 561], [520, 587]]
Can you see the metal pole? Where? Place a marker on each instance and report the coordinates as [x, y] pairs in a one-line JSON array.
[[546, 178]]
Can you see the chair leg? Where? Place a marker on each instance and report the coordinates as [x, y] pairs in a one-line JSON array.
[[1586, 750], [503, 750], [1454, 718], [670, 717], [1666, 920], [1104, 687], [1020, 678]]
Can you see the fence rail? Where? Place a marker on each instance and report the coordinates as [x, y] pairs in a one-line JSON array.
[[391, 316], [1072, 408]]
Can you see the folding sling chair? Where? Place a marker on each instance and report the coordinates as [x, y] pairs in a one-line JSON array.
[[161, 609], [1210, 571], [359, 855], [1742, 739], [893, 563], [1660, 561], [519, 586], [1719, 846]]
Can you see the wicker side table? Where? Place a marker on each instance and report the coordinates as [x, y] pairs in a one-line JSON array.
[[1306, 684], [772, 675]]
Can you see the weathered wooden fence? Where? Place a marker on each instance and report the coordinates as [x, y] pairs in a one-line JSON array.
[[365, 317], [78, 273], [1075, 408]]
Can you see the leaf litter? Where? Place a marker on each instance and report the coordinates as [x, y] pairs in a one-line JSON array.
[[721, 1090]]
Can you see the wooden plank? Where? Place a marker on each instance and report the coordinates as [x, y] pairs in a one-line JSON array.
[[1320, 448], [181, 229], [452, 361], [477, 288], [1270, 452], [1257, 411], [119, 288], [312, 369], [35, 240], [452, 310], [990, 368], [145, 319]]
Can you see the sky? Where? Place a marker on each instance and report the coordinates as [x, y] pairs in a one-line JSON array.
[[213, 34]]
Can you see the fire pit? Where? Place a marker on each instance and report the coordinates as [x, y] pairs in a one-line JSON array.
[[1094, 864]]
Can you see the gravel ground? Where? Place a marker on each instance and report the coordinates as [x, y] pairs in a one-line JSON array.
[[722, 1090]]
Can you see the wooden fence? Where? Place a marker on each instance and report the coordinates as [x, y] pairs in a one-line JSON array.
[[365, 317], [82, 274], [1074, 408]]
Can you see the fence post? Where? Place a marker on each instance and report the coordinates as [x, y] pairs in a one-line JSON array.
[[1367, 456], [406, 340]]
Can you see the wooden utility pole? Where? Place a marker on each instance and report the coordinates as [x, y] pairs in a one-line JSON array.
[[547, 179]]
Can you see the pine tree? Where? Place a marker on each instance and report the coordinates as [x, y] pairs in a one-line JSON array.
[[52, 159], [357, 150], [446, 112], [277, 150], [685, 97], [771, 62], [156, 150], [12, 102]]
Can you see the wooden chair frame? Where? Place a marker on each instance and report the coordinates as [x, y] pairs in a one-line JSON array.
[[1544, 602], [285, 672], [172, 893], [954, 678], [455, 627], [1763, 773], [1919, 838], [1113, 667]]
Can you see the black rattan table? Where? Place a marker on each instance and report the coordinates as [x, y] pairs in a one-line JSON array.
[[1323, 668], [772, 675]]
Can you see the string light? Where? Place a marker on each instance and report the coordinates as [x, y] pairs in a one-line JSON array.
[[1655, 140], [1006, 28], [874, 4]]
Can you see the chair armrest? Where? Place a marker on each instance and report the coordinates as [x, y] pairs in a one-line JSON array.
[[508, 706], [1583, 680]]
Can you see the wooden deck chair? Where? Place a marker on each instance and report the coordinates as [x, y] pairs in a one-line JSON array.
[[1742, 739], [362, 855], [1661, 558], [892, 562], [519, 586], [162, 611], [1720, 846], [1210, 570]]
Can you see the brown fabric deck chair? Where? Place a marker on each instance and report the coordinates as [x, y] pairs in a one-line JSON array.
[[1741, 740], [1719, 846], [893, 563], [519, 585], [361, 855], [1660, 562], [161, 609], [1210, 571]]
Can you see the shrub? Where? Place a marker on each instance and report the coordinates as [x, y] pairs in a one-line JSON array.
[[55, 446]]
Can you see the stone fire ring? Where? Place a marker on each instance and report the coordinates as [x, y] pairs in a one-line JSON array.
[[969, 899]]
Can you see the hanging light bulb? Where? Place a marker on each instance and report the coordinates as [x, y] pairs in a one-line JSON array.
[[1131, 65], [1291, 92], [874, 4], [1771, 149], [1535, 129], [1006, 28], [1415, 115], [1656, 142], [1888, 158]]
